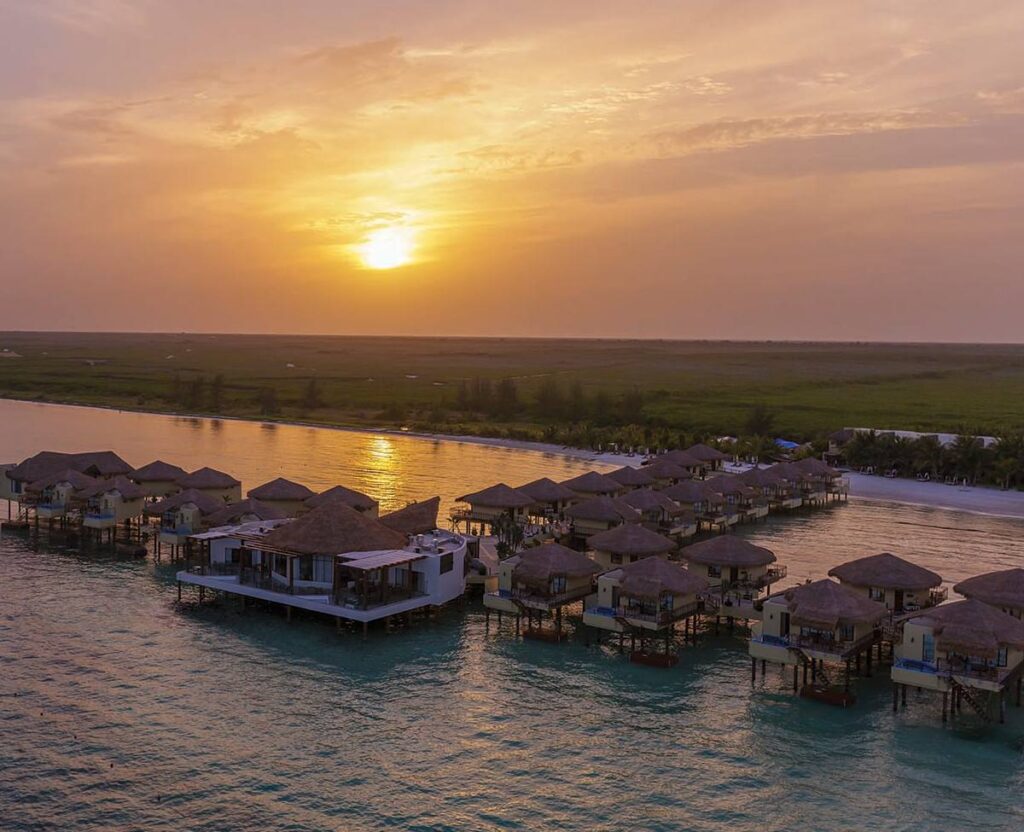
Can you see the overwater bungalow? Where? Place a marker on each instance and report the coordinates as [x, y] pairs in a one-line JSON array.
[[661, 514], [688, 462], [182, 515], [213, 483], [290, 497], [159, 479], [814, 625], [112, 503], [899, 584], [967, 650], [666, 473], [1003, 589], [363, 503], [339, 562], [415, 518], [627, 543], [542, 581], [487, 507], [244, 511], [96, 464], [54, 496], [599, 514], [705, 504], [593, 484], [738, 572], [782, 494], [831, 480], [550, 498], [712, 457], [647, 599], [812, 489], [631, 477]]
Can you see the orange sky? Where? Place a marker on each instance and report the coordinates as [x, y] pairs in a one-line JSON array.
[[762, 169]]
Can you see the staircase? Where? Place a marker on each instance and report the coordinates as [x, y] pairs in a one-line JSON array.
[[821, 674], [971, 697]]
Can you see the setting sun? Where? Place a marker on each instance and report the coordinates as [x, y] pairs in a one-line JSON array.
[[387, 248]]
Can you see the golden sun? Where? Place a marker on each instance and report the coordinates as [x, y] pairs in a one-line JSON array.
[[387, 248]]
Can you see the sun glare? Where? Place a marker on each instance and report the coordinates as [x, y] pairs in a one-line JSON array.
[[387, 248]]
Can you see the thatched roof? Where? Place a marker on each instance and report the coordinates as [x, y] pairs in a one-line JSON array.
[[706, 453], [158, 471], [632, 477], [789, 472], [236, 512], [814, 467], [683, 459], [647, 499], [415, 518], [662, 469], [1001, 589], [593, 483], [885, 571], [605, 510], [205, 478], [281, 489], [728, 550], [77, 480], [546, 490], [93, 463], [729, 485], [760, 478], [631, 539], [124, 486], [650, 578], [536, 567], [340, 494], [828, 604], [972, 628], [334, 528], [498, 496], [201, 500], [692, 491]]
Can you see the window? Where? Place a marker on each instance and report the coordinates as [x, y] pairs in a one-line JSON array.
[[558, 584], [1001, 658], [666, 602], [928, 648], [305, 569], [447, 562], [714, 571], [234, 555], [876, 593], [616, 557], [846, 632]]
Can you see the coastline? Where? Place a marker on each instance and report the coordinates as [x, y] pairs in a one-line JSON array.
[[973, 500]]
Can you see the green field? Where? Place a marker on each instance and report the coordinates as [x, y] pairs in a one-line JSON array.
[[694, 388]]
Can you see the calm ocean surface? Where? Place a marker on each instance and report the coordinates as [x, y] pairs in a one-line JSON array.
[[119, 711]]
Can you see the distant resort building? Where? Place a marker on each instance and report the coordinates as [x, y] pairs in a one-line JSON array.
[[213, 483], [158, 479], [287, 496], [550, 499], [593, 484], [900, 585], [1003, 590], [738, 573], [182, 515], [363, 503], [491, 505], [627, 543], [598, 514], [111, 503], [661, 514]]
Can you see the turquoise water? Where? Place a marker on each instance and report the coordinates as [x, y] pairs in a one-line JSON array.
[[119, 710]]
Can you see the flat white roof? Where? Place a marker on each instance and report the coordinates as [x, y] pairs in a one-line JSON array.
[[252, 528], [379, 560]]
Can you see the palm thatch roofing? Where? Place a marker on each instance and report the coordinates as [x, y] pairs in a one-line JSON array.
[[536, 567], [760, 478], [498, 496], [415, 518], [631, 539], [729, 486], [692, 491], [728, 550], [828, 604], [127, 488], [789, 472], [972, 628], [334, 528], [1004, 588], [158, 471], [816, 468], [546, 490], [200, 499], [663, 469], [205, 477], [684, 459], [647, 499], [633, 477], [250, 508], [281, 489], [340, 494], [706, 453], [651, 578], [604, 509], [76, 479], [593, 483], [93, 463], [886, 571]]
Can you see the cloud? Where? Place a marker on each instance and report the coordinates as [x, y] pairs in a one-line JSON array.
[[92, 16], [360, 63]]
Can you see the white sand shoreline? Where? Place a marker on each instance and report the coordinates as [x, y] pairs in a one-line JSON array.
[[974, 500]]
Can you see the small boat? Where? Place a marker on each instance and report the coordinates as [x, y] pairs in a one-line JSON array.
[[14, 526], [654, 659]]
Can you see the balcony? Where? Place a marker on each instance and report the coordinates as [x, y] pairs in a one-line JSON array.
[[837, 647], [536, 600]]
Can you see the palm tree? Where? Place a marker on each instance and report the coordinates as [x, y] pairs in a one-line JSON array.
[[929, 456], [1009, 459], [969, 456]]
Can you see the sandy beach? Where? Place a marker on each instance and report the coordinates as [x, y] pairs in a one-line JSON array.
[[974, 499]]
